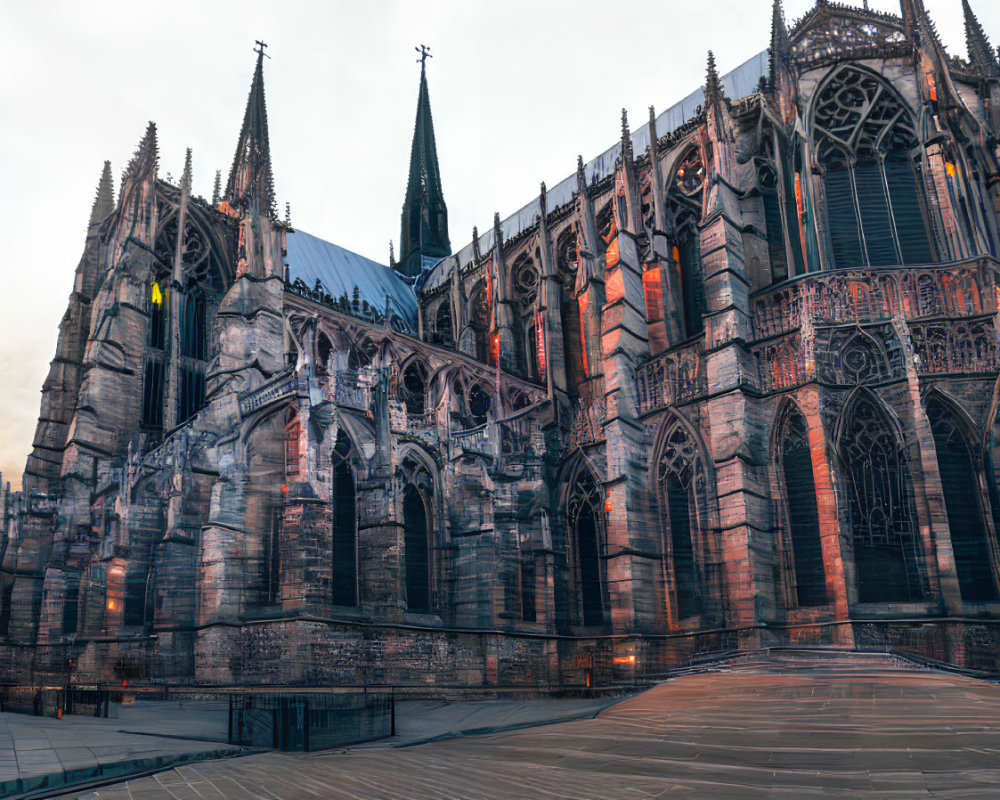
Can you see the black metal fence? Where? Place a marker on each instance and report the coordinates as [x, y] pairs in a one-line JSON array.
[[48, 701], [309, 721]]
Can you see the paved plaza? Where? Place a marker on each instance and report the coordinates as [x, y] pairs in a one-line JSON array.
[[757, 731]]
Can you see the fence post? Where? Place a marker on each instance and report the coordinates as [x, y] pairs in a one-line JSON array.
[[230, 737], [392, 711]]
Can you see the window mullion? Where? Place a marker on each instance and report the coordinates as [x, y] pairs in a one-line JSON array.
[[888, 204], [857, 215]]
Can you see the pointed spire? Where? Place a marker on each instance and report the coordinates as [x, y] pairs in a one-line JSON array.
[[780, 43], [978, 45], [251, 178], [392, 255], [217, 188], [424, 230], [581, 178], [626, 136], [186, 175], [477, 256], [713, 86], [145, 160], [104, 202], [177, 278]]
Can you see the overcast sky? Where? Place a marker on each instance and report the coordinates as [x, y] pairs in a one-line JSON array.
[[517, 90]]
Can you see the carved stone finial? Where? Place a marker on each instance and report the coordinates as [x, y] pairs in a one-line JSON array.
[[626, 136]]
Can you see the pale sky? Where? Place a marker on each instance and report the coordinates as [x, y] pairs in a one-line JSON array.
[[517, 90]]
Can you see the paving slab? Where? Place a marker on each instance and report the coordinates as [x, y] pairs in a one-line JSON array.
[[39, 753], [746, 733]]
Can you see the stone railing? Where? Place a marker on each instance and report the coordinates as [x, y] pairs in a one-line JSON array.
[[966, 289], [967, 346], [783, 363], [352, 388], [673, 377], [521, 433], [483, 440]]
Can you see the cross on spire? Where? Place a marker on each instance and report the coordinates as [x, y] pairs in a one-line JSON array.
[[425, 53], [259, 49]]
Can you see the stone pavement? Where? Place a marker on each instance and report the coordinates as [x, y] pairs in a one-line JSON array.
[[752, 731], [37, 753]]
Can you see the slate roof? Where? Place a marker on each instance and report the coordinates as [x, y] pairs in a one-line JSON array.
[[339, 270]]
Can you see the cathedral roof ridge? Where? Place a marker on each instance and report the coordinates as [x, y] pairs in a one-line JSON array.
[[338, 271], [737, 83], [825, 8]]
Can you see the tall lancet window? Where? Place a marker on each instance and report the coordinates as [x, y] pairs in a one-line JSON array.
[[886, 552], [418, 564], [154, 368], [686, 196], [801, 512], [964, 503], [681, 479], [585, 515], [344, 540], [868, 149]]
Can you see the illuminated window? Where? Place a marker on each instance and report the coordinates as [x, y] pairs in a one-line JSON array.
[[157, 318]]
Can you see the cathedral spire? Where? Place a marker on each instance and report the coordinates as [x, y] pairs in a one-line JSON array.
[[104, 202], [145, 160], [780, 43], [251, 178], [980, 51], [626, 137], [713, 86], [424, 231]]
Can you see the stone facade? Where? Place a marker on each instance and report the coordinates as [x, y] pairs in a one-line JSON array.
[[732, 384]]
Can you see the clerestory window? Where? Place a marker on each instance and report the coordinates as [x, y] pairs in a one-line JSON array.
[[867, 147]]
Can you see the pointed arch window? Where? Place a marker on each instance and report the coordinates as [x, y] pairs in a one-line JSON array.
[[417, 527], [964, 504], [884, 528], [585, 515], [867, 146], [526, 290], [479, 320], [415, 388], [686, 197], [345, 527], [442, 323], [802, 514], [681, 482], [324, 350]]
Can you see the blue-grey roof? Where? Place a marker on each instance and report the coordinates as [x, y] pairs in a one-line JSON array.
[[339, 271], [741, 82]]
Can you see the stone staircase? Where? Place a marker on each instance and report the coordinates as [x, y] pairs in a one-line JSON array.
[[809, 659]]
